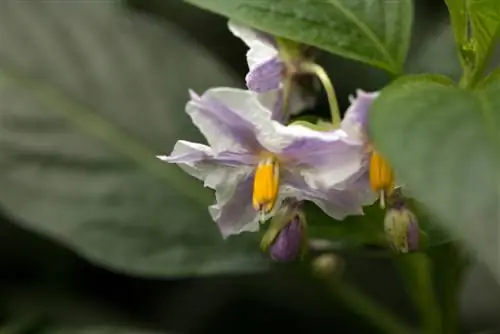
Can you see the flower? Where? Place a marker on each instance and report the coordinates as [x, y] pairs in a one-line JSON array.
[[267, 71], [355, 123], [253, 162]]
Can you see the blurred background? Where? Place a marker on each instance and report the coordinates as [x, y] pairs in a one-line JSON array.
[[72, 212]]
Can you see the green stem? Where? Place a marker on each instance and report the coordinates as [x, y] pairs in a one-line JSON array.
[[416, 270], [287, 88], [374, 313], [449, 266], [21, 325], [321, 74]]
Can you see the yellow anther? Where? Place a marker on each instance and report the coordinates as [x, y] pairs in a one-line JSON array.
[[266, 185], [381, 177]]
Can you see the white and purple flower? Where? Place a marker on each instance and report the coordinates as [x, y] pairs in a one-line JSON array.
[[253, 162]]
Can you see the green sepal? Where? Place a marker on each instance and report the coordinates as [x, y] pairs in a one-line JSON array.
[[290, 51], [304, 247], [283, 217]]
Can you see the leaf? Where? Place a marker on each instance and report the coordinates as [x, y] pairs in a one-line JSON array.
[[373, 32], [89, 94], [443, 142], [476, 25], [98, 330]]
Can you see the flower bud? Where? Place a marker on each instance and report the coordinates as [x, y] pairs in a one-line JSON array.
[[285, 239], [328, 265], [287, 244], [401, 225]]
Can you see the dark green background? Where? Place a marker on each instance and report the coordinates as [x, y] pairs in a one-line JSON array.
[[59, 289]]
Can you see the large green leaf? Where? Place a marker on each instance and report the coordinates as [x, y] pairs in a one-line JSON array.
[[372, 31], [443, 142], [99, 330], [89, 94], [476, 25]]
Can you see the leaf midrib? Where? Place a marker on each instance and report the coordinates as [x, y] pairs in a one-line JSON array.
[[96, 126]]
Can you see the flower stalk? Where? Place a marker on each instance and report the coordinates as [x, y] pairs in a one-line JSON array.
[[320, 73]]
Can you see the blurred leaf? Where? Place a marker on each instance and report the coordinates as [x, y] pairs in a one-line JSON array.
[[99, 330], [373, 32], [89, 94], [476, 25], [436, 54], [443, 142]]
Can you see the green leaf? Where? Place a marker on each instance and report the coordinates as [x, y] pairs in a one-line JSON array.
[[98, 330], [373, 32], [443, 142], [89, 94], [476, 26]]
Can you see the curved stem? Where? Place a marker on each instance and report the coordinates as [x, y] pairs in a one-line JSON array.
[[374, 313], [321, 74], [417, 271], [287, 88]]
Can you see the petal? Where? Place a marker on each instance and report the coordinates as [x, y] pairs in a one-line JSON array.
[[356, 117], [338, 204], [265, 76], [273, 100], [199, 161], [227, 117], [324, 159], [188, 155], [262, 48], [297, 102], [233, 211]]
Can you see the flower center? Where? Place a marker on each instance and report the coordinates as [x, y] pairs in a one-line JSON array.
[[381, 176], [266, 184]]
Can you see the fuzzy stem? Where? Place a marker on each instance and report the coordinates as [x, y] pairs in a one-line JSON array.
[[320, 73]]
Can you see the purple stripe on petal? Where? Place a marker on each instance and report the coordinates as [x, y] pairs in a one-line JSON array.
[[278, 113], [223, 158], [320, 150], [338, 204], [193, 156], [240, 129], [237, 214], [267, 76], [236, 159]]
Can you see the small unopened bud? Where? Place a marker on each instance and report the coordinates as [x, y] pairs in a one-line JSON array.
[[285, 240], [401, 229], [286, 247], [328, 265]]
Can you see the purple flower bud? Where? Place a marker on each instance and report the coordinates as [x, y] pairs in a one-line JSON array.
[[287, 244]]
